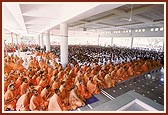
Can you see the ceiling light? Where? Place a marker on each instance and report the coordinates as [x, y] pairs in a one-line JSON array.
[[143, 30], [161, 29], [152, 29], [156, 29]]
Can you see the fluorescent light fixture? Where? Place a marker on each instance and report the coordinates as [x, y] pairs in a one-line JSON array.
[[152, 29]]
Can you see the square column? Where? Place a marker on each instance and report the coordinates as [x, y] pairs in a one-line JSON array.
[[41, 41], [64, 44], [38, 40], [48, 41]]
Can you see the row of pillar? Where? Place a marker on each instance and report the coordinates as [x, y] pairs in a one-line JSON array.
[[63, 45]]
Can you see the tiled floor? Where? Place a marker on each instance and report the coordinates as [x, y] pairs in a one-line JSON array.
[[129, 101], [150, 87]]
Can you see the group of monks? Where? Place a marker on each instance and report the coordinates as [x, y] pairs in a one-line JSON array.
[[42, 84], [22, 47]]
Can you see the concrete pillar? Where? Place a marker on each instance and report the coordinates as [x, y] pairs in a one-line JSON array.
[[18, 45], [12, 39], [38, 40], [112, 41], [12, 42], [98, 39], [48, 41], [64, 44], [41, 41], [132, 41]]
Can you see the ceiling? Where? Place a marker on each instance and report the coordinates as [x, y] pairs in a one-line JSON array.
[[33, 19]]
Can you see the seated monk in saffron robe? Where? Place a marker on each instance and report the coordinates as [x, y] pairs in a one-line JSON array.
[[24, 86], [60, 75], [55, 102], [92, 86], [6, 84], [76, 69], [108, 81], [84, 68], [50, 71], [42, 64], [130, 71], [7, 68], [119, 72], [137, 69], [19, 81], [56, 84], [36, 102], [51, 80], [19, 66], [68, 68], [64, 96], [55, 72], [82, 91], [10, 98], [43, 82], [59, 67], [99, 82], [31, 64], [24, 101], [144, 68], [38, 79], [46, 93], [37, 87], [86, 77], [74, 99]]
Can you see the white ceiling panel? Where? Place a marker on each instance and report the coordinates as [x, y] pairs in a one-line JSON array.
[[36, 18]]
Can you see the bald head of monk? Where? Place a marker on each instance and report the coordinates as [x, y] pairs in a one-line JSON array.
[[35, 92], [25, 80], [43, 77], [12, 87], [56, 91], [31, 85], [27, 91], [48, 87]]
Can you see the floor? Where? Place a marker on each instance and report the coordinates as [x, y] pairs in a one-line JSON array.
[[134, 107], [149, 85], [129, 101]]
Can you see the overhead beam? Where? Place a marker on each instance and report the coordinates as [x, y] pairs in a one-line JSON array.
[[15, 10], [118, 14]]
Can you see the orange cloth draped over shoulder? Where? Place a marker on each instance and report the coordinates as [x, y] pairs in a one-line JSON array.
[[54, 103]]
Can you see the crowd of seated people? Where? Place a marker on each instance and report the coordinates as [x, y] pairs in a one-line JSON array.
[[42, 84], [21, 47], [103, 55]]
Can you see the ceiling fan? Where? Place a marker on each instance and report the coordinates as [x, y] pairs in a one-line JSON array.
[[130, 18]]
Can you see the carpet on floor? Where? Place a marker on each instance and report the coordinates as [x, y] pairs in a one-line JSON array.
[[91, 100]]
